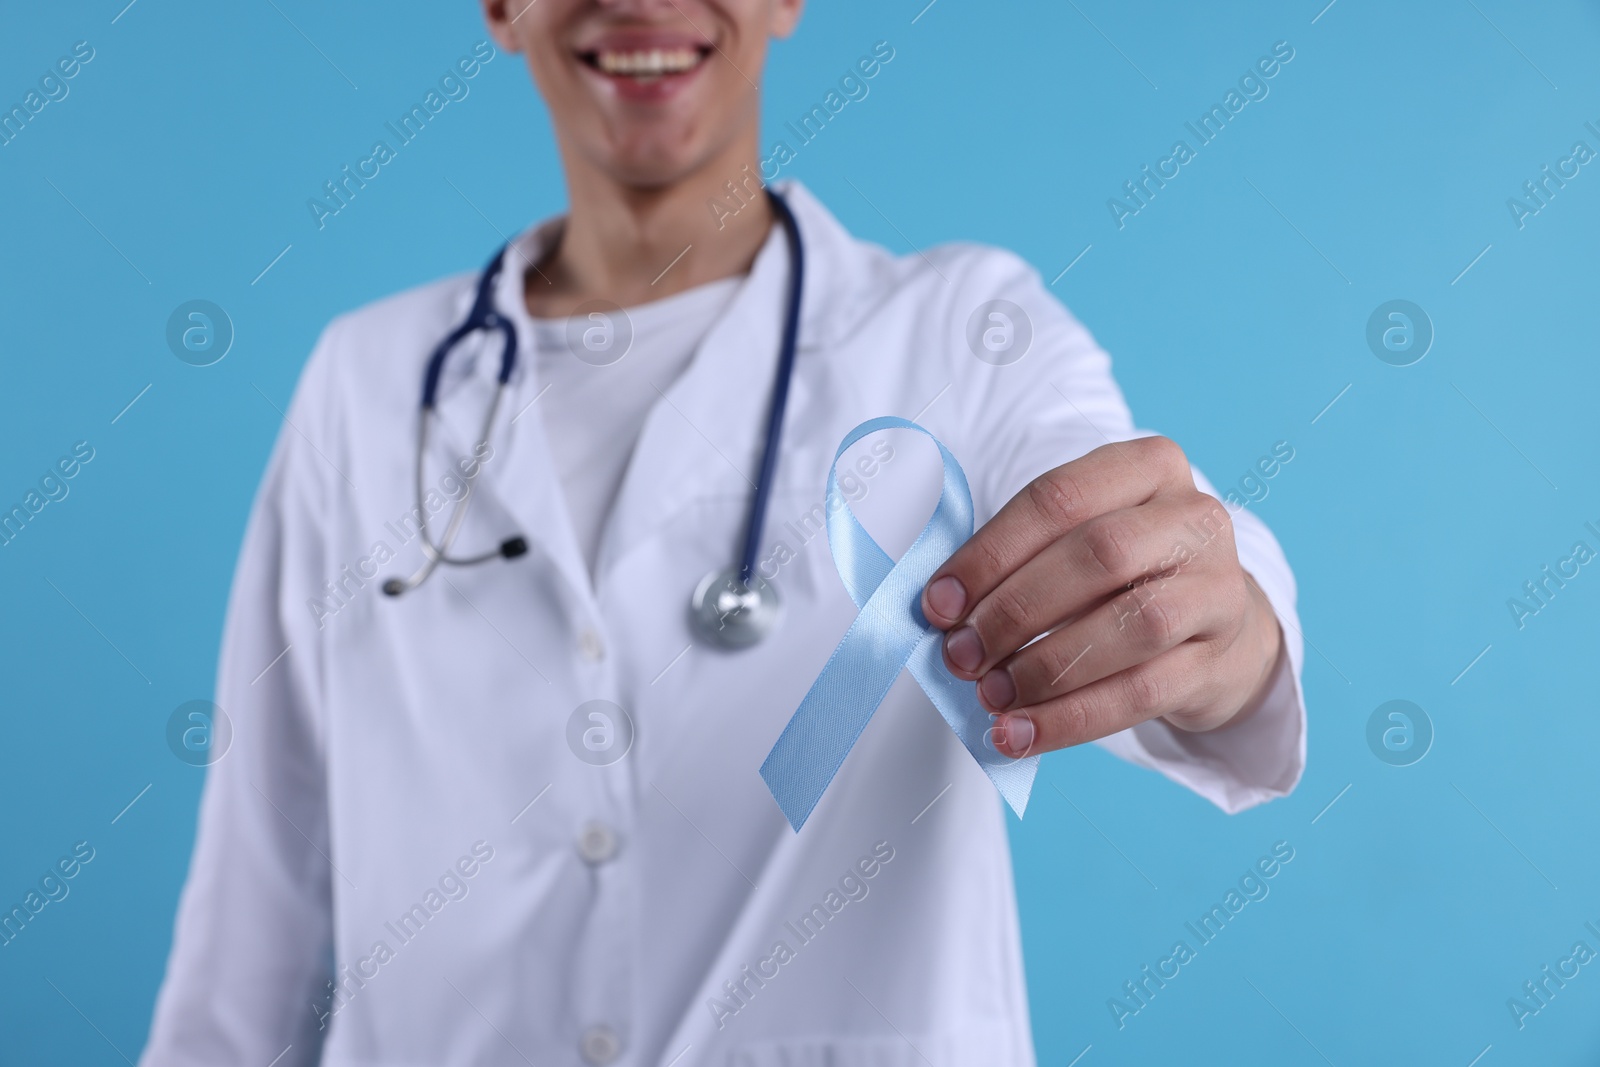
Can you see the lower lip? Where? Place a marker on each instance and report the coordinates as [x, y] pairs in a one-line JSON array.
[[653, 91]]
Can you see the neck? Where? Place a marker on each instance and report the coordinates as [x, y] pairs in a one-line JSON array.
[[629, 245]]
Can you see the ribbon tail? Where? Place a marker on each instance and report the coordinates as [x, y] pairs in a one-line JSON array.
[[957, 702], [840, 703]]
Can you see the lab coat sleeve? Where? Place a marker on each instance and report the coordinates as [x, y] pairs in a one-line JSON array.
[[253, 926], [1060, 402]]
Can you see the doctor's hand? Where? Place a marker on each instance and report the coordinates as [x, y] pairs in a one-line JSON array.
[[1132, 574]]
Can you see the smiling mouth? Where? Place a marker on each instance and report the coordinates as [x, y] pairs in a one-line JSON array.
[[645, 65]]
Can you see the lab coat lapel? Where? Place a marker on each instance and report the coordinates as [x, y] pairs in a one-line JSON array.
[[703, 436], [518, 492]]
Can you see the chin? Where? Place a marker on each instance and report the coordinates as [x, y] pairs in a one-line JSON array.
[[651, 159]]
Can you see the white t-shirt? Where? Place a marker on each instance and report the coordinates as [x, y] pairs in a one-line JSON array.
[[594, 404]]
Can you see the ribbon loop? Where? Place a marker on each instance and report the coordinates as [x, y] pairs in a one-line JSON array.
[[888, 635]]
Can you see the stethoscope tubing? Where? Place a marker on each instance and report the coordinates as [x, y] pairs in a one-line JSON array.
[[780, 391], [483, 317]]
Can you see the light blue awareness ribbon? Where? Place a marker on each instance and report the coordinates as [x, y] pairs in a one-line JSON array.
[[889, 634]]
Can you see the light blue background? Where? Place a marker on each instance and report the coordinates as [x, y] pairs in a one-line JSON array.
[[1411, 512]]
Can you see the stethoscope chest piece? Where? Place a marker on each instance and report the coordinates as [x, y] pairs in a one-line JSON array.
[[728, 613]]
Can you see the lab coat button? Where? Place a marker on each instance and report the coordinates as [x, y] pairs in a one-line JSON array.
[[593, 649], [600, 1045], [597, 843]]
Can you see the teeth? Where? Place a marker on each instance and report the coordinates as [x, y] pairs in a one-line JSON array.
[[649, 63]]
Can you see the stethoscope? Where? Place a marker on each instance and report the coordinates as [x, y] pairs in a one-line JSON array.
[[732, 607]]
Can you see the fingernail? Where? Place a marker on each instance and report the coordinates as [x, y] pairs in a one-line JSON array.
[[948, 597], [1016, 735], [997, 690], [965, 648]]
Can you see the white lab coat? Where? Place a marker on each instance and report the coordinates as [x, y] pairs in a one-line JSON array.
[[398, 741]]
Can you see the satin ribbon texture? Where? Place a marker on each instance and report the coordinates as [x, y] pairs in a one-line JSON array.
[[889, 634]]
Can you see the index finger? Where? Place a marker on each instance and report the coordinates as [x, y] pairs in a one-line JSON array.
[[1119, 475]]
